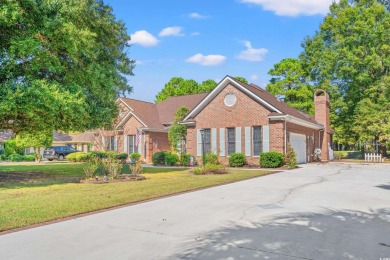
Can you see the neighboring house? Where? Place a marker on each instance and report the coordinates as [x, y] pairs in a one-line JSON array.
[[234, 117], [151, 121], [82, 141], [237, 117], [4, 137]]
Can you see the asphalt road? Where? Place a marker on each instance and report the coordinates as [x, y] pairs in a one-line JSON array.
[[320, 211]]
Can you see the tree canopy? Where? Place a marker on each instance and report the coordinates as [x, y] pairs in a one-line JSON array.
[[178, 87], [289, 84], [349, 57], [178, 132], [62, 64], [36, 140]]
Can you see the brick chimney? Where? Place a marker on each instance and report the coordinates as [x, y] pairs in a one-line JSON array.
[[321, 106]]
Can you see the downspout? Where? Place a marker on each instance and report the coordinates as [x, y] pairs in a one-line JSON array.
[[285, 136], [319, 138]]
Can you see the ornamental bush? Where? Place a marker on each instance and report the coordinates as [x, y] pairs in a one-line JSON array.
[[271, 159], [77, 157], [15, 157], [122, 157], [237, 160], [290, 159], [159, 158], [185, 159], [171, 159], [28, 157], [212, 158]]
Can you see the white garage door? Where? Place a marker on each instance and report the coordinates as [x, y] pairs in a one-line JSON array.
[[298, 143]]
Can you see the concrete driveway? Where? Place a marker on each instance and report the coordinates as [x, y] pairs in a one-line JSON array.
[[321, 211]]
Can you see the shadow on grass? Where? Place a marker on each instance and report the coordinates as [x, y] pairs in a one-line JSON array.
[[19, 177], [329, 235]]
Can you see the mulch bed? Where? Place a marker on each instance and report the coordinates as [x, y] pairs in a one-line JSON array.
[[121, 178]]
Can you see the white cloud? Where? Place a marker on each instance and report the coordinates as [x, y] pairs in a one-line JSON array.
[[139, 62], [254, 77], [207, 60], [197, 16], [195, 34], [252, 54], [143, 38], [293, 7], [171, 31]]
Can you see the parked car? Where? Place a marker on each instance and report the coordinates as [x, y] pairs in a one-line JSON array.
[[58, 152]]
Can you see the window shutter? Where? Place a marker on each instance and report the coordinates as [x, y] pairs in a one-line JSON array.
[[103, 144], [266, 138], [238, 139], [198, 142], [214, 140], [247, 141], [125, 146], [222, 141], [115, 143], [140, 144]]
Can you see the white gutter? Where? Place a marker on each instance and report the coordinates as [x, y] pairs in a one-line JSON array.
[[297, 121], [156, 130]]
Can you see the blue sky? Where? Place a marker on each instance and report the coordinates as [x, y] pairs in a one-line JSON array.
[[209, 39]]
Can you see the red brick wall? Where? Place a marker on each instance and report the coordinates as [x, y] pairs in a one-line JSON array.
[[322, 107], [246, 112], [311, 138]]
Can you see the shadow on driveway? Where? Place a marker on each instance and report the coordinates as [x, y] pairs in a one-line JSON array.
[[331, 235]]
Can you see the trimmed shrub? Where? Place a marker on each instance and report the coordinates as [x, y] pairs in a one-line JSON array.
[[122, 157], [237, 160], [15, 157], [28, 157], [338, 155], [159, 158], [211, 158], [11, 147], [171, 159], [185, 159], [135, 157], [77, 157], [3, 157], [271, 159], [100, 154], [290, 159]]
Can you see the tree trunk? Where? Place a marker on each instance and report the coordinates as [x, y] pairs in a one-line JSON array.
[[37, 153], [382, 149]]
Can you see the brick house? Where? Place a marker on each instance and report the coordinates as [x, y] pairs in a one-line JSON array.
[[151, 121], [234, 117], [237, 117]]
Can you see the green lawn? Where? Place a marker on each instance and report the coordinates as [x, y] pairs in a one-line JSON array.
[[35, 201]]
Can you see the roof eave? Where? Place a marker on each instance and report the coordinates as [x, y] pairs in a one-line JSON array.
[[297, 121]]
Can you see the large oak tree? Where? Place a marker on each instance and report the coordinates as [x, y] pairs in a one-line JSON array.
[[62, 64]]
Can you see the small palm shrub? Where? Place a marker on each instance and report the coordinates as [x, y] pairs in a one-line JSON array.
[[271, 159], [237, 160]]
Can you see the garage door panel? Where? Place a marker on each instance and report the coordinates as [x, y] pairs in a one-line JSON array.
[[298, 143]]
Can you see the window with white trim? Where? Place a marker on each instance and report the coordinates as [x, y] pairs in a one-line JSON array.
[[112, 143], [207, 141], [231, 140], [257, 142], [133, 148]]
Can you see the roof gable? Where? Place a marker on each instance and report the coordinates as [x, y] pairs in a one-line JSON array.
[[261, 95]]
